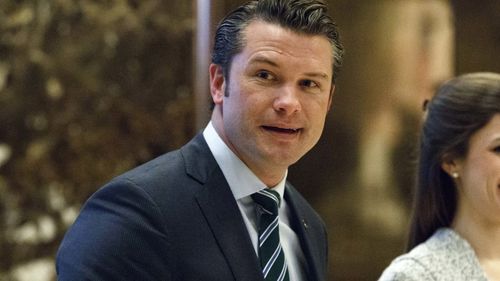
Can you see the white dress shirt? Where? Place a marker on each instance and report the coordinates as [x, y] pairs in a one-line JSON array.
[[243, 183]]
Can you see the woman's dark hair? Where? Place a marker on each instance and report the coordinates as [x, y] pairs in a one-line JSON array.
[[460, 108], [303, 16]]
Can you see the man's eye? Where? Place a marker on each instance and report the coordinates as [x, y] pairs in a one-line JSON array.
[[309, 84], [264, 75], [496, 149]]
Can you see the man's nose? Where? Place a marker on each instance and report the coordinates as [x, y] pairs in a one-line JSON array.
[[287, 100]]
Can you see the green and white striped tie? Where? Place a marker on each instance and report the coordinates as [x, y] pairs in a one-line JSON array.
[[271, 255]]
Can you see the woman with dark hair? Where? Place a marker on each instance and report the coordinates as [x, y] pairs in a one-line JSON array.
[[455, 228]]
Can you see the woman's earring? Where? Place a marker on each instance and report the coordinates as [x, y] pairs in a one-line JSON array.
[[455, 175]]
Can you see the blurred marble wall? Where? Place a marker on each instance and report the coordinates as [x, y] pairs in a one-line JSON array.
[[362, 171], [89, 89]]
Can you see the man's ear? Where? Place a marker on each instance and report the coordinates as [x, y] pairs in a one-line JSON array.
[[330, 99], [217, 83]]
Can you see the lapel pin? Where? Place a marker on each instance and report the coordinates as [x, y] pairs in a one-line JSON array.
[[304, 223]]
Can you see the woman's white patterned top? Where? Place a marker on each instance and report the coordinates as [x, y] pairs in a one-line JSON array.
[[445, 256]]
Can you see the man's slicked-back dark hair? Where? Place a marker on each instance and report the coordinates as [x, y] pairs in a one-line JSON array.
[[302, 16]]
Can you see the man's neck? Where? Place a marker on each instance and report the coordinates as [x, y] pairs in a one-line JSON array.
[[270, 176]]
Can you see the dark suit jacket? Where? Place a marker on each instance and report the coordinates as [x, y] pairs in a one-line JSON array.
[[175, 218]]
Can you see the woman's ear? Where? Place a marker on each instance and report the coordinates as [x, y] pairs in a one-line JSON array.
[[217, 83], [451, 165]]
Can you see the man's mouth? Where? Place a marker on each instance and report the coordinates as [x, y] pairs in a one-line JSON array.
[[281, 130]]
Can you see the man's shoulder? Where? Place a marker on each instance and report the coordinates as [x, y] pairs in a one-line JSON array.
[[155, 169], [170, 167], [165, 178]]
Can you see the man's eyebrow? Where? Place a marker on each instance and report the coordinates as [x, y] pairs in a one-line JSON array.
[[317, 75], [496, 139], [265, 60], [262, 59]]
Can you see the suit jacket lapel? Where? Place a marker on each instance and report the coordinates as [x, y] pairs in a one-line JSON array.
[[310, 241], [221, 211]]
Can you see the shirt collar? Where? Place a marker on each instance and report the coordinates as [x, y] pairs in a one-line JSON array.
[[242, 181]]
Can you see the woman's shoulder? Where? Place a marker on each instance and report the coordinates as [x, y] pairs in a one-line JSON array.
[[415, 265], [406, 268], [444, 256]]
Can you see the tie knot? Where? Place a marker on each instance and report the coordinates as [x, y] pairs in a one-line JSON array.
[[269, 200]]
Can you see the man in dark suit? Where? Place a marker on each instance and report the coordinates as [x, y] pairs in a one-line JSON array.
[[219, 208]]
